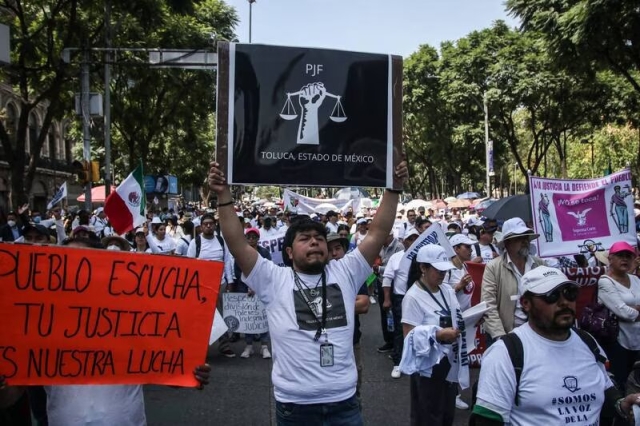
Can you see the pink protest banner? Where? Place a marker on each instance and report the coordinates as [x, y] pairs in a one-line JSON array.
[[582, 216]]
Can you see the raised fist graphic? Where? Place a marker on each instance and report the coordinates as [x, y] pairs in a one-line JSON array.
[[312, 95]]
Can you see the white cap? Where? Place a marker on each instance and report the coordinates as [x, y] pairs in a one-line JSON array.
[[458, 239], [436, 256], [475, 221], [542, 280], [409, 232], [515, 227], [359, 215], [156, 221], [361, 221]]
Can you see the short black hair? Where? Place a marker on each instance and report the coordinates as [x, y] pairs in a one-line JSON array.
[[297, 227], [421, 221], [343, 227], [187, 227], [208, 216]]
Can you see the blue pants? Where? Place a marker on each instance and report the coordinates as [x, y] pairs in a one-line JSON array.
[[343, 413], [250, 338]]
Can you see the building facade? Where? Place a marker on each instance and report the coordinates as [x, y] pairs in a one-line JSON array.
[[56, 157]]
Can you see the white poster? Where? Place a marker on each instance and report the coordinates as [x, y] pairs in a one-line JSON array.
[[274, 244], [218, 328], [300, 204], [433, 235], [582, 216], [244, 314]]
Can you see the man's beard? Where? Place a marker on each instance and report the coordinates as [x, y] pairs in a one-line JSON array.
[[552, 326], [312, 268], [524, 252]]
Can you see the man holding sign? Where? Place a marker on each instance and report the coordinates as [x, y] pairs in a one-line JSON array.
[[310, 308]]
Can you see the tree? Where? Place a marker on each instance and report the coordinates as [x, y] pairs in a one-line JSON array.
[[39, 77], [41, 29], [583, 33]]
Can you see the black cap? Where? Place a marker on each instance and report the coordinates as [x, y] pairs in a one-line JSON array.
[[40, 229]]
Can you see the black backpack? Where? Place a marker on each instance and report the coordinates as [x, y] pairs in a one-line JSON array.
[[479, 252], [516, 353], [199, 244]]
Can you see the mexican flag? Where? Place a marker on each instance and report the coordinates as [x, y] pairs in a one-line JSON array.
[[125, 207]]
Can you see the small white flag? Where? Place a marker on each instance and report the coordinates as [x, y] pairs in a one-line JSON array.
[[62, 193]]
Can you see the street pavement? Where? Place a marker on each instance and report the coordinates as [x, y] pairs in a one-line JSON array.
[[241, 393]]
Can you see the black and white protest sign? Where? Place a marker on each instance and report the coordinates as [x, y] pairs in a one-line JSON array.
[[309, 117], [244, 314]]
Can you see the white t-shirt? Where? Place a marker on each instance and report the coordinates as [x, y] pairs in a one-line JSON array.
[[98, 224], [485, 252], [268, 232], [332, 227], [297, 375], [393, 272], [165, 246], [99, 405], [561, 382], [419, 308], [182, 245], [210, 249], [452, 278]]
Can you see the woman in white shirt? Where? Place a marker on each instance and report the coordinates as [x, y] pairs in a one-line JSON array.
[[162, 243], [619, 291], [428, 303]]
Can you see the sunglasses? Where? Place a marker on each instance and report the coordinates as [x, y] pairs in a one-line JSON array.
[[569, 292]]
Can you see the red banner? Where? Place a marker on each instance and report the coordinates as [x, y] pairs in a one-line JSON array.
[[82, 316], [587, 278]]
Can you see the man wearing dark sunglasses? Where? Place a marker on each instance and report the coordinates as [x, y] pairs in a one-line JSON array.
[[561, 381]]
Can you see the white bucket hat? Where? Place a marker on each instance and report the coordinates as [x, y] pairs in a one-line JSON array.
[[514, 228]]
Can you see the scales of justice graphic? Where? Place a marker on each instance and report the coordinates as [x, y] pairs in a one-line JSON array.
[[310, 98]]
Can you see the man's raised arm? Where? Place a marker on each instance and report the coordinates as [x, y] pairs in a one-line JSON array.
[[384, 218], [230, 226]]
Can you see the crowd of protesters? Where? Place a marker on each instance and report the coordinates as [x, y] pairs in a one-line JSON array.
[[353, 257]]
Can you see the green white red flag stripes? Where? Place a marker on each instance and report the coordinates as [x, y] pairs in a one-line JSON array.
[[125, 207]]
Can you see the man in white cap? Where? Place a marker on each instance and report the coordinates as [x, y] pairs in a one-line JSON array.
[[502, 280], [99, 221], [561, 376]]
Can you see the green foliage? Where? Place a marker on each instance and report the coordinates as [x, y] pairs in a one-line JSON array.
[[537, 112], [582, 34], [162, 116]]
